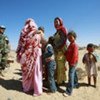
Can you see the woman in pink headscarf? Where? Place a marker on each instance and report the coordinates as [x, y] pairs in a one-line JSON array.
[[29, 56]]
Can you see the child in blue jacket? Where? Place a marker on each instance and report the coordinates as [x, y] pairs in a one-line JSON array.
[[50, 64]]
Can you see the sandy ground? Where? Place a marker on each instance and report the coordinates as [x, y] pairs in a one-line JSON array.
[[11, 88]]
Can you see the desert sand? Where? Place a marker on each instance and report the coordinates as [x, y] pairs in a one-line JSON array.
[[11, 87]]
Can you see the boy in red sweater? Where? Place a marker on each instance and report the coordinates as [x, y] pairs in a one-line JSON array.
[[72, 58]]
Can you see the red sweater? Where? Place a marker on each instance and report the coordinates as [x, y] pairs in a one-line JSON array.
[[72, 54]]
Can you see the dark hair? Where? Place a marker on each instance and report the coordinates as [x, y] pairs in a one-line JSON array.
[[57, 18], [60, 20], [41, 28], [50, 40], [73, 34], [90, 45]]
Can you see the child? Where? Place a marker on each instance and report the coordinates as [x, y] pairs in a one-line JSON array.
[[41, 31], [50, 64], [72, 58], [90, 60], [43, 40]]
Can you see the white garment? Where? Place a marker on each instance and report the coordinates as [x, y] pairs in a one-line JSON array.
[[90, 66]]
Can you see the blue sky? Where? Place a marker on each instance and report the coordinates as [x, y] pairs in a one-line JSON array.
[[82, 16]]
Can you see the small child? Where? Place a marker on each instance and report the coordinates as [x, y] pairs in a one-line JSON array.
[[90, 60], [50, 64], [72, 58], [43, 40]]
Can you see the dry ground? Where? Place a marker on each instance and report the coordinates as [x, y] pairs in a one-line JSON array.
[[11, 88]]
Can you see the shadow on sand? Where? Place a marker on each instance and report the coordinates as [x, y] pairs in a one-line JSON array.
[[11, 84]]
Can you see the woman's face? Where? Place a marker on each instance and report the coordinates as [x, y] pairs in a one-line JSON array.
[[56, 23]]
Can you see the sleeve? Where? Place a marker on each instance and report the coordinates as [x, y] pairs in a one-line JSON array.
[[74, 55], [83, 59], [60, 39], [63, 38]]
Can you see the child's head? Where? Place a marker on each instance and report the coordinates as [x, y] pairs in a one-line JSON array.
[[41, 28], [90, 47], [71, 36], [41, 31], [50, 40]]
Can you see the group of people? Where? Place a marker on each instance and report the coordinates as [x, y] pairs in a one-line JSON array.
[[40, 58], [4, 49]]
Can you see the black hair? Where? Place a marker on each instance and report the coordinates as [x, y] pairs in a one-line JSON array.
[[56, 18], [50, 40], [73, 34], [90, 45], [41, 28]]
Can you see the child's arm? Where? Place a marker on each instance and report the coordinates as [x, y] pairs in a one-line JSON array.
[[74, 59], [83, 60], [95, 59]]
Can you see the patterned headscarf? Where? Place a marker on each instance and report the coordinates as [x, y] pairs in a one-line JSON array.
[[29, 28], [27, 33]]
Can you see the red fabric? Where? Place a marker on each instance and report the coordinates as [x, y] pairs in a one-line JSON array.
[[72, 54], [62, 28], [27, 33]]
